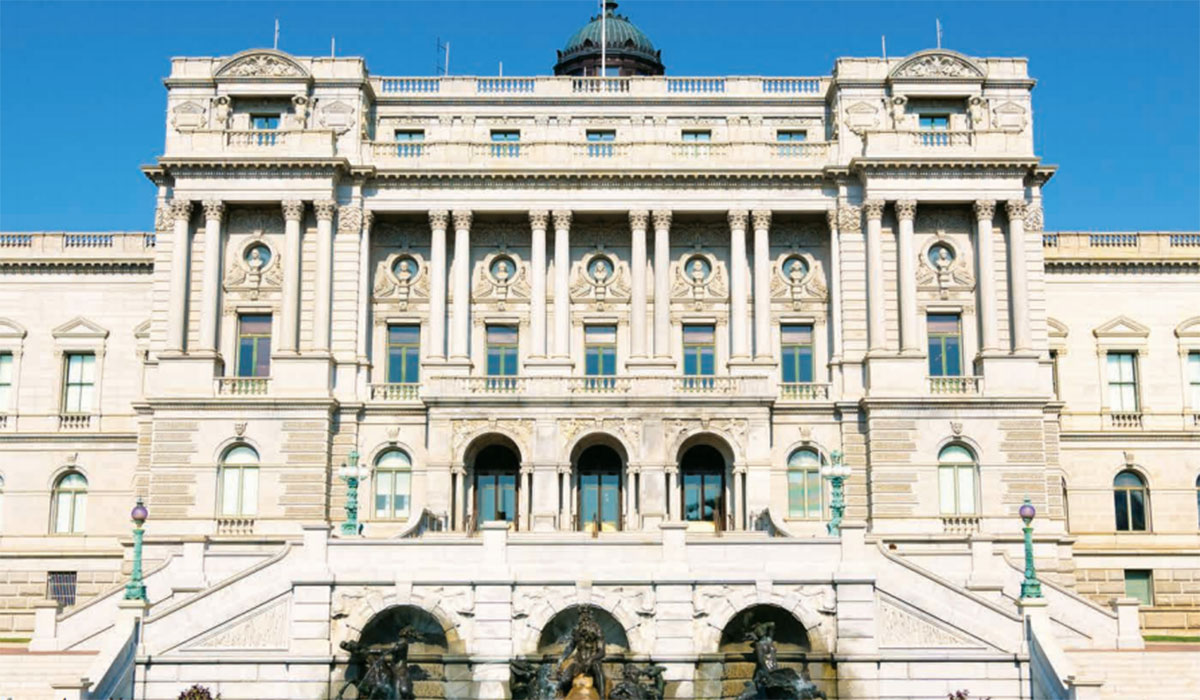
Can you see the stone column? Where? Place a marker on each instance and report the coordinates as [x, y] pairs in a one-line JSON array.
[[1018, 273], [537, 302], [835, 284], [637, 312], [214, 210], [181, 214], [906, 211], [662, 283], [762, 284], [740, 342], [324, 209], [289, 336], [460, 313], [985, 209], [562, 291], [438, 219], [364, 286], [876, 323]]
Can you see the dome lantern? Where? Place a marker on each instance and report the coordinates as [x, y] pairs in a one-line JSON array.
[[628, 51]]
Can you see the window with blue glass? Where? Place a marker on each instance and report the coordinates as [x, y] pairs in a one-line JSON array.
[[404, 354], [505, 143], [600, 353], [934, 122], [699, 355], [254, 345], [945, 345], [502, 351], [804, 484], [601, 135], [496, 470], [697, 136], [409, 142], [264, 121], [599, 490], [797, 353], [790, 135], [1131, 502], [600, 143], [702, 472]]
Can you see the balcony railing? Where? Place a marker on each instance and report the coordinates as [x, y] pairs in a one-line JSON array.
[[235, 526], [74, 421], [243, 386], [598, 385], [87, 248], [783, 88], [1130, 247], [955, 386], [960, 524], [925, 143], [312, 143], [758, 387], [395, 392], [803, 391], [1125, 420]]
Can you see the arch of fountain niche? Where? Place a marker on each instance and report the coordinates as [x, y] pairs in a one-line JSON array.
[[763, 654], [403, 652], [495, 492]]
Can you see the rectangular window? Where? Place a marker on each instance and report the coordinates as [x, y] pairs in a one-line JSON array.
[[699, 350], [61, 587], [1193, 365], [945, 345], [1054, 372], [1122, 382], [80, 386], [264, 122], [409, 142], [703, 497], [254, 345], [804, 493], [792, 136], [502, 351], [1139, 583], [505, 143], [404, 354], [935, 122], [599, 501], [600, 353], [797, 353], [496, 497], [6, 378], [697, 136], [239, 490], [601, 135], [956, 489], [392, 488], [600, 143]]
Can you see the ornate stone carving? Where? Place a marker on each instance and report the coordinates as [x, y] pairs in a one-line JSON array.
[[462, 431], [255, 268], [255, 220], [662, 219], [293, 209], [267, 65], [350, 219], [538, 218], [220, 112], [162, 218], [873, 208], [188, 116], [860, 117], [438, 218], [562, 219], [701, 277], [943, 267], [501, 276], [985, 209], [956, 428], [262, 629], [336, 116], [214, 209], [239, 428], [181, 209], [676, 430], [798, 277], [738, 219], [601, 277], [324, 209], [299, 115], [977, 112], [937, 65], [628, 428], [897, 109], [638, 219], [1034, 220], [904, 629], [462, 219], [402, 277], [1010, 116], [849, 219], [1015, 209], [762, 219], [906, 209]]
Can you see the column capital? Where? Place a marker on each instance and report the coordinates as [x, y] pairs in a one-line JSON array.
[[368, 220], [762, 218], [324, 209], [738, 219], [906, 209], [874, 209], [562, 218], [462, 218], [831, 219], [181, 209], [985, 209], [293, 209], [638, 218], [1015, 208], [438, 218], [214, 209], [538, 218], [662, 219]]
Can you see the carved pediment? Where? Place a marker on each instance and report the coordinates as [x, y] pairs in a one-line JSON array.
[[261, 63], [1122, 327], [938, 64], [80, 327], [1189, 328], [1056, 329], [11, 330]]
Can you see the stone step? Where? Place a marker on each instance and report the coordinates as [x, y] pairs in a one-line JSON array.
[[1162, 673], [27, 675]]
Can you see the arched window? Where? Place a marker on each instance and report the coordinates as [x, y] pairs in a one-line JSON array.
[[70, 503], [804, 484], [239, 481], [1131, 499], [956, 481], [393, 484]]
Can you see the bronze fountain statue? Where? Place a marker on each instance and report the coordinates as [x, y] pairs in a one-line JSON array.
[[386, 674], [771, 681]]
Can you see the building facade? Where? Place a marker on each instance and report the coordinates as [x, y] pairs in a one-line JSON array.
[[590, 341]]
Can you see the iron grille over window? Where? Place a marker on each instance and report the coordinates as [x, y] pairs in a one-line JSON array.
[[62, 586]]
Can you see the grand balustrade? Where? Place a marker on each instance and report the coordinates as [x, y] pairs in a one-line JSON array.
[[788, 88], [1142, 247], [274, 143], [112, 247], [892, 143], [674, 387]]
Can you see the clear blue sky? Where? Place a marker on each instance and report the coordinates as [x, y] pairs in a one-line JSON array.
[[1116, 107]]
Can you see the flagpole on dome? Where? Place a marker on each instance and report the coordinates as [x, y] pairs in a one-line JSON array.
[[603, 45]]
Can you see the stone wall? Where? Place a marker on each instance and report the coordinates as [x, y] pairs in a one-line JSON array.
[[1176, 609]]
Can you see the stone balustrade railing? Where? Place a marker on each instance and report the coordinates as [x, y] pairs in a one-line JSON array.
[[960, 524], [955, 386], [1125, 420], [274, 143], [926, 143], [660, 155], [396, 392], [1085, 247], [243, 386], [565, 86], [235, 525], [804, 391], [74, 421], [580, 387], [57, 245]]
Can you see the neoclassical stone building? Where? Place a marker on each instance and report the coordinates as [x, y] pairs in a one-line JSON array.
[[591, 340]]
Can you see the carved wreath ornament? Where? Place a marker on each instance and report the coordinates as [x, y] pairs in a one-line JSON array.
[[700, 277], [255, 269], [798, 277], [501, 276], [600, 276], [261, 65], [942, 267], [402, 276]]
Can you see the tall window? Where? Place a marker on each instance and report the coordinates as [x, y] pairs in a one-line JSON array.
[[70, 503], [496, 472], [945, 345], [1122, 381], [599, 490], [699, 354], [393, 484], [1131, 500], [1054, 372], [600, 355], [80, 387], [506, 143], [702, 473], [956, 481], [239, 481], [797, 352], [1139, 583], [804, 484], [254, 345], [1193, 365], [6, 369], [409, 142], [502, 351], [404, 354]]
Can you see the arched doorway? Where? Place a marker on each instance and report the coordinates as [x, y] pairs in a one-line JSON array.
[[702, 488], [599, 486], [495, 485]]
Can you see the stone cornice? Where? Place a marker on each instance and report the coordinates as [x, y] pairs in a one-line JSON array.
[[605, 178], [1023, 165]]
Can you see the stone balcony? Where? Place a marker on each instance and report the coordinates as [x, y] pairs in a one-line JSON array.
[[616, 88], [254, 143], [1082, 248], [946, 144], [38, 248]]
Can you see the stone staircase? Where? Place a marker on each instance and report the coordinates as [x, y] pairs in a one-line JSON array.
[[34, 675], [1161, 672]]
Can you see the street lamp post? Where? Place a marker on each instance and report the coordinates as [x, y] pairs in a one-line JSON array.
[[836, 472], [352, 472], [135, 589], [1030, 586]]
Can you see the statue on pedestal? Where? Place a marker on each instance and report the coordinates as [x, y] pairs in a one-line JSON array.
[[583, 656]]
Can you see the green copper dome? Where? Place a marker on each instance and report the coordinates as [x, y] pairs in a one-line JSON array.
[[629, 50]]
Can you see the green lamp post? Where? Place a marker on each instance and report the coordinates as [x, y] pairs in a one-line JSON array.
[[836, 472], [352, 472], [1030, 586], [135, 589]]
